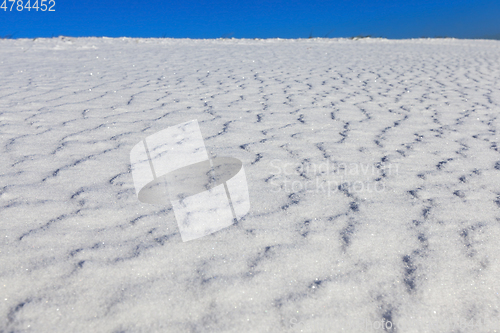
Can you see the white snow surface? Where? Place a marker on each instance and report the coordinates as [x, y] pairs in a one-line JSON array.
[[373, 169]]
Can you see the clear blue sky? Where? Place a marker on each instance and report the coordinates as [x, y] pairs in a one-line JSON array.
[[256, 19]]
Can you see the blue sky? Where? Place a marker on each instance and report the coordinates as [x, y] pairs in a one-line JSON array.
[[256, 19]]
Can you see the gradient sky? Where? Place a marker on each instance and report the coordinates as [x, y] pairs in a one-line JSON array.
[[257, 19]]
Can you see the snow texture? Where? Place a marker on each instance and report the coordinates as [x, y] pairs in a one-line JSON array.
[[373, 168]]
